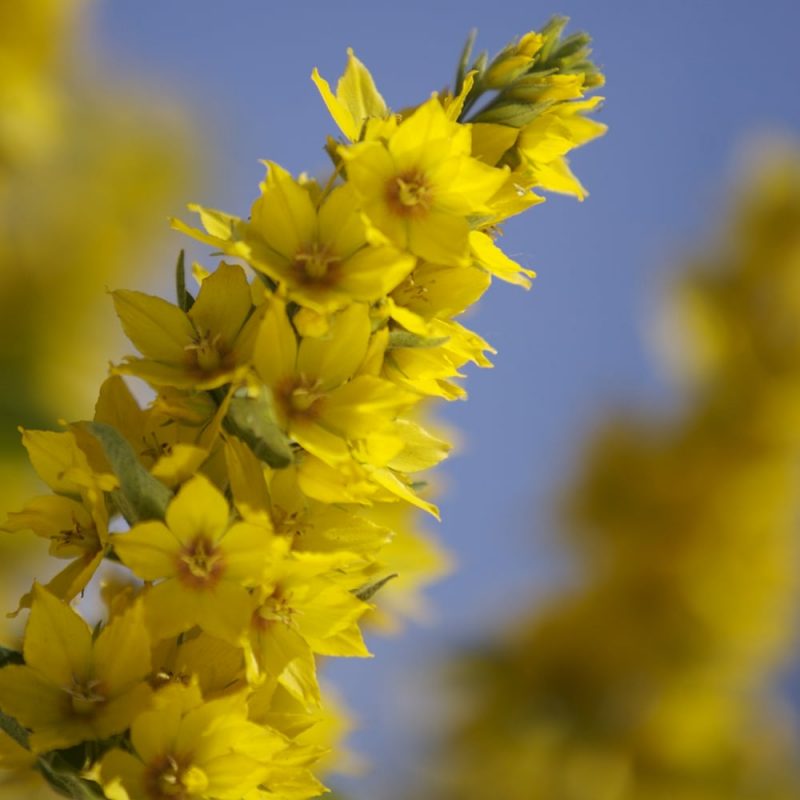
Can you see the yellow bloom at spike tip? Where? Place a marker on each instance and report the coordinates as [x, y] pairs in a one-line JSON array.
[[72, 689], [202, 563], [356, 100], [418, 189], [513, 61], [544, 143]]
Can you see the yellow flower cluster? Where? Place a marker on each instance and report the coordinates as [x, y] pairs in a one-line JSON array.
[[245, 506], [656, 680]]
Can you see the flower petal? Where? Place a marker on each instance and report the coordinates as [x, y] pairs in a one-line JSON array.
[[158, 329], [199, 509], [149, 549], [58, 643]]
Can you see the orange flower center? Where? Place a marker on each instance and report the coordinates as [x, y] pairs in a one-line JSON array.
[[299, 397], [77, 536], [315, 263], [174, 778], [86, 696], [200, 564], [409, 194], [275, 608], [207, 351]]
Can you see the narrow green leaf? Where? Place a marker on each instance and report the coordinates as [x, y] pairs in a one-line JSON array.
[[366, 592], [515, 115], [14, 730], [69, 759], [408, 339], [574, 47], [68, 784], [463, 61], [480, 63], [8, 656], [253, 421], [185, 299], [552, 37], [141, 496]]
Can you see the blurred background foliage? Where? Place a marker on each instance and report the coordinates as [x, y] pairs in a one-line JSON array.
[[88, 174], [656, 674]]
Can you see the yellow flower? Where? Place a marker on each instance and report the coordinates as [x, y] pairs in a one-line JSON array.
[[205, 348], [72, 689], [203, 564], [513, 61], [416, 557], [314, 527], [429, 368], [62, 463], [173, 437], [300, 610], [440, 291], [76, 530], [490, 257], [186, 749], [316, 251], [320, 399], [544, 142], [418, 188], [319, 733], [356, 100], [216, 666]]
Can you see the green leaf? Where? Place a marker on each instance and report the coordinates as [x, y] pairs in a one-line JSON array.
[[68, 783], [140, 496], [69, 759], [552, 37], [253, 421], [14, 730], [8, 656], [185, 299], [575, 48], [463, 61], [366, 592], [481, 62], [408, 339], [515, 115]]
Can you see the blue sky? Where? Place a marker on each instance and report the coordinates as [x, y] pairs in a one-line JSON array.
[[691, 85]]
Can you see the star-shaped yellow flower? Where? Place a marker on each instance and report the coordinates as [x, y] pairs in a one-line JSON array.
[[203, 349], [316, 250], [73, 689], [202, 563], [419, 188]]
